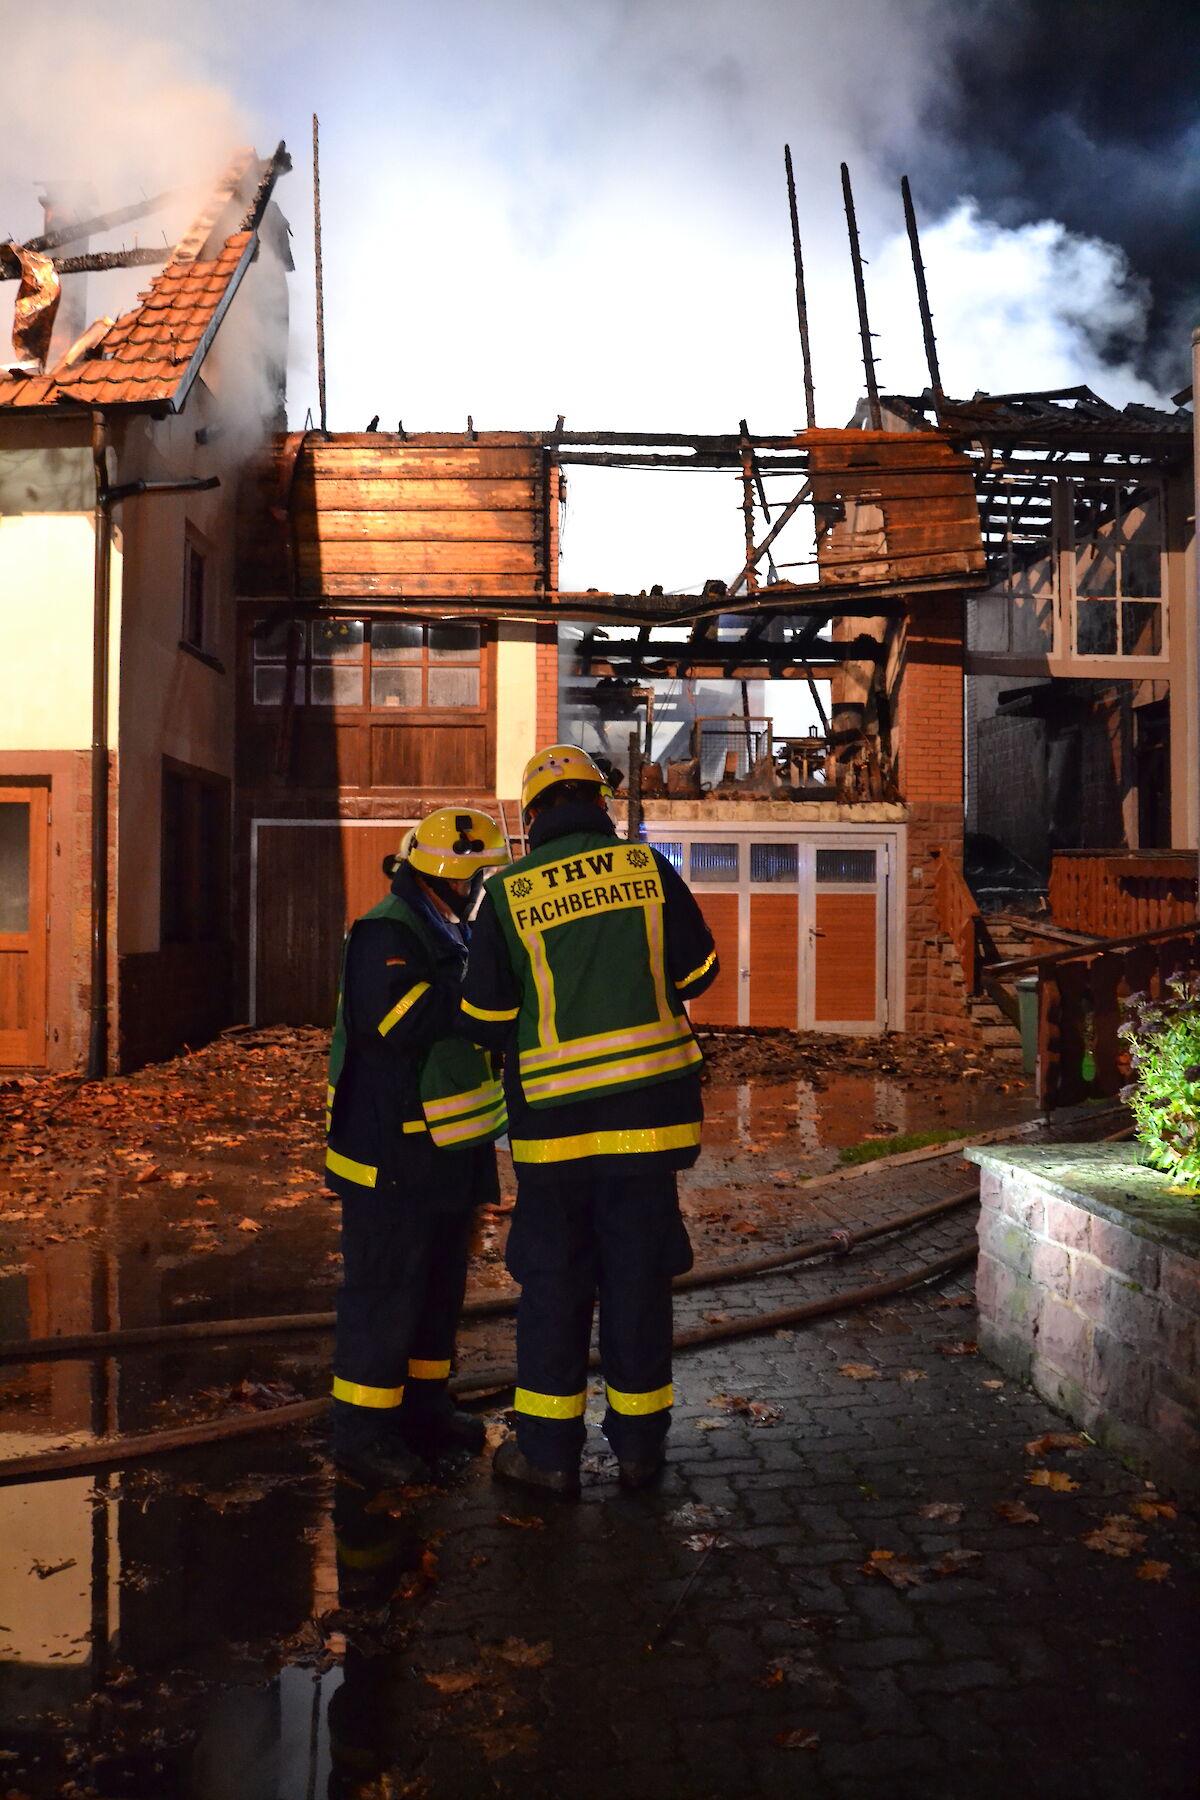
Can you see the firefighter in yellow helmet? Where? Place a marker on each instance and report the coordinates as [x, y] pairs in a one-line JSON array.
[[414, 1106], [582, 956]]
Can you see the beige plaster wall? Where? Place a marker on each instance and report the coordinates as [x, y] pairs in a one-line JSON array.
[[47, 563], [516, 704]]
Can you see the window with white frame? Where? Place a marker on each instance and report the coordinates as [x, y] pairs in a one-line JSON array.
[[1118, 569]]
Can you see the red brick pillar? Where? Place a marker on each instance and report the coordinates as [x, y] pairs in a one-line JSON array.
[[927, 742]]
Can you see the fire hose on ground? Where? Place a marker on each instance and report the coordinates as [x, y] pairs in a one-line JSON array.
[[117, 1451]]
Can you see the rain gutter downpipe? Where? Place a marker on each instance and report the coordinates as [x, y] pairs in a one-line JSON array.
[[106, 498], [97, 1060]]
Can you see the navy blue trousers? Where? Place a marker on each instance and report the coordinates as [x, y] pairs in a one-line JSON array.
[[404, 1272], [618, 1238]]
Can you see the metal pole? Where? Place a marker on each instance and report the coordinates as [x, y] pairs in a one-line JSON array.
[[861, 295], [931, 357], [810, 405], [97, 1058], [320, 276]]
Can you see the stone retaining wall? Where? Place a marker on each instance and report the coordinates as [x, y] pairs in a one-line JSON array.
[[1089, 1288]]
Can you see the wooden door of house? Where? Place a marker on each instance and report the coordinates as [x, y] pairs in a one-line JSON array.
[[310, 879], [24, 924], [801, 924]]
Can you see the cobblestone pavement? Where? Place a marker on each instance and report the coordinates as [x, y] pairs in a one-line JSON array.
[[987, 1656]]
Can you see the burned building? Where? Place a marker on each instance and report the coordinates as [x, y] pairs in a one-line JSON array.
[[404, 644], [120, 454]]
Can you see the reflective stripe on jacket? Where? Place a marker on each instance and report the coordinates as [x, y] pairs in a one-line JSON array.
[[459, 1097], [583, 921]]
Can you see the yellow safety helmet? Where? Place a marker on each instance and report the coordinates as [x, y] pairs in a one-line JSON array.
[[455, 841], [561, 762]]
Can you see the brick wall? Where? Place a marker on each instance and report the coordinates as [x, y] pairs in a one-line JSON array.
[[1101, 1318], [927, 747], [547, 685]]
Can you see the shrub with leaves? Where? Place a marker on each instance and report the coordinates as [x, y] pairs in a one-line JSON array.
[[1163, 1035]]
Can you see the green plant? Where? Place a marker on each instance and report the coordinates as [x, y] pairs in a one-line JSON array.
[[871, 1149], [1163, 1036]]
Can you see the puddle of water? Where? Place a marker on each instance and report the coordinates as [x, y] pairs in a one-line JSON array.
[[798, 1118]]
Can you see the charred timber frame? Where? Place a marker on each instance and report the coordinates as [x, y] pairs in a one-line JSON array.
[[900, 469]]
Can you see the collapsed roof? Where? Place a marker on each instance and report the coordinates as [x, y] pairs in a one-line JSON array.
[[151, 355]]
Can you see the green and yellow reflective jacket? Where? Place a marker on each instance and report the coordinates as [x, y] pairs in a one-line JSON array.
[[583, 922], [460, 1092]]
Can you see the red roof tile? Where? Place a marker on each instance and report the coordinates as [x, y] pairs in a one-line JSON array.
[[144, 356]]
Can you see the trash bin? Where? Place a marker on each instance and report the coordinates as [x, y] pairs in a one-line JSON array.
[[1027, 1007]]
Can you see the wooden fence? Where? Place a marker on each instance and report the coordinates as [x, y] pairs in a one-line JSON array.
[[1119, 893], [1080, 1056]]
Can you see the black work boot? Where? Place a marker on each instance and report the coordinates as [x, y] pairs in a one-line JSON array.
[[386, 1461], [511, 1464], [634, 1475], [437, 1432]]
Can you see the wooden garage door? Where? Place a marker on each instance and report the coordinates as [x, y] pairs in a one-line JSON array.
[[311, 881], [848, 920], [719, 1004], [23, 925], [774, 959]]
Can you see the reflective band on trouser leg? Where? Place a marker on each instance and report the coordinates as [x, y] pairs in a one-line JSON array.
[[657, 1400], [550, 1406], [634, 1142], [419, 1370], [357, 1393]]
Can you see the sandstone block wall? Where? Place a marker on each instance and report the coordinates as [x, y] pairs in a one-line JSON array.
[[1100, 1317]]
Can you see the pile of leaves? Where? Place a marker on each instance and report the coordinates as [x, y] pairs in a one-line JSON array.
[[768, 1054], [1163, 1037]]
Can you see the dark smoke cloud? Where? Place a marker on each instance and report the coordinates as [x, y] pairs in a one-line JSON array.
[[1085, 111]]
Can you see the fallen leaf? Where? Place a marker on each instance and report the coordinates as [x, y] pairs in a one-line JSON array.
[[759, 1412], [954, 1562], [1152, 1571], [956, 1300], [716, 1318], [1153, 1509], [946, 1512], [695, 1512], [706, 1540], [901, 1571], [515, 1650], [712, 1424], [1116, 1537], [531, 1524], [453, 1681], [495, 1433], [773, 1678], [249, 1225], [177, 1178], [515, 1740], [858, 1371], [280, 1205], [151, 1172], [803, 1739], [1056, 1440], [958, 1347], [1054, 1479], [914, 1374], [991, 1384], [1015, 1512]]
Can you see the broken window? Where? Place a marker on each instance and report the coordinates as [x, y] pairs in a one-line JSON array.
[[1117, 556], [195, 857], [385, 664]]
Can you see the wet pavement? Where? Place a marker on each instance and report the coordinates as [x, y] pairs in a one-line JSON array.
[[233, 1621]]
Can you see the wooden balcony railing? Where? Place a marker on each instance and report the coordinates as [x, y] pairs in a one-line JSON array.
[[1120, 893], [1080, 1056], [959, 919]]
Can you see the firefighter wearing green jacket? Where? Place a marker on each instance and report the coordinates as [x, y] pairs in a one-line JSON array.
[[414, 1106], [582, 956]]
